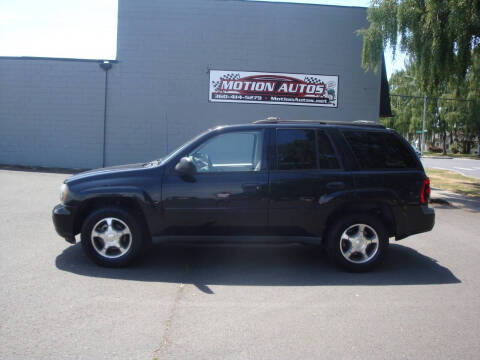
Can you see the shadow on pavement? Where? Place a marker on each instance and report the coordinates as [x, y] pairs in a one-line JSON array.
[[292, 265]]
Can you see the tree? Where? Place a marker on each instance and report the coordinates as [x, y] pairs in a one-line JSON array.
[[472, 118], [407, 111], [442, 41], [452, 111], [440, 36]]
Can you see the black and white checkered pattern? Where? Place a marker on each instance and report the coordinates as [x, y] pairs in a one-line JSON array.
[[231, 76], [313, 80]]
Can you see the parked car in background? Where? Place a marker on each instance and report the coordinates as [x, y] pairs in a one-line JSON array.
[[347, 186]]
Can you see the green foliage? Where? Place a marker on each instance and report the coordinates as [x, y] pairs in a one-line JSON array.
[[407, 111], [472, 90], [453, 111], [440, 36]]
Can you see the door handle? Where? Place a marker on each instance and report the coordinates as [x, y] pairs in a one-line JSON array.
[[336, 185], [223, 195], [251, 187]]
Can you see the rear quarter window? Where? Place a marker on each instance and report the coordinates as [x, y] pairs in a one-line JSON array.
[[380, 150]]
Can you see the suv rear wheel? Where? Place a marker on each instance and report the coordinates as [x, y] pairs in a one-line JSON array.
[[357, 242], [112, 237]]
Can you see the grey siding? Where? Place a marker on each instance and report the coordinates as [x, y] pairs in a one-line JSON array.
[[159, 88], [51, 113]]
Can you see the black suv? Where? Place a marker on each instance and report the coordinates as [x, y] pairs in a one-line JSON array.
[[347, 186]]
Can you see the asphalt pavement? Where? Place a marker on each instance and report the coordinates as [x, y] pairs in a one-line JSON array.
[[231, 302], [467, 167]]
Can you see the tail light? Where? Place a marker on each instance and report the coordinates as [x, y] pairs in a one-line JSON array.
[[425, 192]]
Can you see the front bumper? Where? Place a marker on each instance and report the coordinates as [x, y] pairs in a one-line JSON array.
[[418, 219], [63, 220]]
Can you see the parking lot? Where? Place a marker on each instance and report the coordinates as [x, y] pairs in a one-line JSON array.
[[231, 302]]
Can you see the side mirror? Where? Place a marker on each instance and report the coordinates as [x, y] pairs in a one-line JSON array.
[[186, 166]]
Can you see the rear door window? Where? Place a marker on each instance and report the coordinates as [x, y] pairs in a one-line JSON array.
[[305, 149], [379, 150], [296, 149]]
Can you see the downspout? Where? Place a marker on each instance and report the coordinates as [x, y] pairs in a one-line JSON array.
[[105, 65]]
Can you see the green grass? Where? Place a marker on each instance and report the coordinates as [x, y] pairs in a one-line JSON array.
[[455, 182]]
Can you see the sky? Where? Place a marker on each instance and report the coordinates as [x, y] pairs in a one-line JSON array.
[[87, 29]]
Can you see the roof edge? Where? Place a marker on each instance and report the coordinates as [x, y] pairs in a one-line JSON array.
[[55, 59], [298, 3]]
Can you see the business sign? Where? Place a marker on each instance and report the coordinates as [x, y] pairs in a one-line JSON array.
[[273, 88]]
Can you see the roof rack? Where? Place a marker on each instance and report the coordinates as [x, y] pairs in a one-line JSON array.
[[275, 120]]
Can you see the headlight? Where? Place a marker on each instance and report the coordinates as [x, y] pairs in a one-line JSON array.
[[63, 193]]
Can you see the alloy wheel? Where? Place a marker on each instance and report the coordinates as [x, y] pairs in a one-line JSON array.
[[359, 243], [111, 237]]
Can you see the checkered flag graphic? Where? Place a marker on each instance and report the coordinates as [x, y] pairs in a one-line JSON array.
[[231, 76], [313, 80]]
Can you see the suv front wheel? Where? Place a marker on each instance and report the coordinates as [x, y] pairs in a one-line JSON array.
[[357, 242], [112, 237]]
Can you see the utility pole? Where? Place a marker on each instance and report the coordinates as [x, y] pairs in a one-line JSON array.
[[422, 141], [105, 65]]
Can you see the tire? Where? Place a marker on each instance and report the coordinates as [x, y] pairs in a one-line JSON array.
[[357, 242], [112, 237]]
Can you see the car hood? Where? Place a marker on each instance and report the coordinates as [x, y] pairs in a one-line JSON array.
[[106, 171]]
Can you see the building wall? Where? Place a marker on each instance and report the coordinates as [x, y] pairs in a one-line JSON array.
[[159, 88], [51, 113]]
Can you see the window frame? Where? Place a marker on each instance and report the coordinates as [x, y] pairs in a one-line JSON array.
[[334, 148]]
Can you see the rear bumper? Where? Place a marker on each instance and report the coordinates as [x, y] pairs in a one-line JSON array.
[[418, 219], [63, 220]]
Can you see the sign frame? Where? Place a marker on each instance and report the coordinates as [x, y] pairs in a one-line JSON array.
[[232, 86]]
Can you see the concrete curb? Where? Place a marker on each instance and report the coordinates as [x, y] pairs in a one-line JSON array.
[[448, 198], [450, 157], [440, 157]]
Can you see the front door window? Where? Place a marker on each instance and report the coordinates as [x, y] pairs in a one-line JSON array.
[[234, 151]]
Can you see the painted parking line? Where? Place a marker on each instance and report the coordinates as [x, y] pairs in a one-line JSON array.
[[461, 168]]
